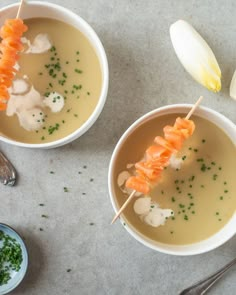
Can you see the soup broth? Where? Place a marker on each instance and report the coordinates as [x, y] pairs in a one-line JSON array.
[[71, 68], [201, 193]]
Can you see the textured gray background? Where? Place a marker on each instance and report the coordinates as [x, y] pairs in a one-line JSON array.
[[144, 74]]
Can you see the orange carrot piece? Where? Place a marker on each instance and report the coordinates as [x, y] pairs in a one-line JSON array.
[[138, 184]]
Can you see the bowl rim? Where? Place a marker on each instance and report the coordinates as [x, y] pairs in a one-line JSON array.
[[100, 51], [180, 250], [26, 257]]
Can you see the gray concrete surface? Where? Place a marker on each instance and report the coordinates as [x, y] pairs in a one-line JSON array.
[[144, 74]]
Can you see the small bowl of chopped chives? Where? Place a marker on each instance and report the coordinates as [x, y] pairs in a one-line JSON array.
[[13, 259]]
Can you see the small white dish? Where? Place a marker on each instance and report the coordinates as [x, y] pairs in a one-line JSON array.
[[48, 10], [222, 236], [16, 277]]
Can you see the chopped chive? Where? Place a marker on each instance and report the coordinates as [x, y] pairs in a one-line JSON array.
[[78, 71], [200, 160], [203, 167], [44, 216], [215, 176]]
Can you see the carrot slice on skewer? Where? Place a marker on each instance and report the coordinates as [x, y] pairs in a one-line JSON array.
[[156, 152], [148, 170], [164, 143], [138, 184], [186, 126], [174, 136]]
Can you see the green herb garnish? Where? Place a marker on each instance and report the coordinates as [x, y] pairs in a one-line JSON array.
[[10, 257]]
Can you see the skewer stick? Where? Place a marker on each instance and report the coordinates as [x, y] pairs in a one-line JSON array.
[[194, 108], [133, 192], [123, 206], [19, 9]]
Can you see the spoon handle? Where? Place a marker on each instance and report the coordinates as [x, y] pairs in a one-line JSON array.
[[203, 286], [7, 171]]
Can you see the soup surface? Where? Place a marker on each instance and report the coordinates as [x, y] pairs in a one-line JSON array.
[[202, 193], [71, 68]]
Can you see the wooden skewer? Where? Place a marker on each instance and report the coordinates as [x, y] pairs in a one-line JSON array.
[[123, 206], [194, 108], [19, 9], [133, 192]]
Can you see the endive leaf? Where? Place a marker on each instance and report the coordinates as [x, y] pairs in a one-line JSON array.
[[195, 55], [232, 88]]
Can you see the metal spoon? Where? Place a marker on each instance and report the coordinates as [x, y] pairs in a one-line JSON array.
[[203, 286], [7, 171]]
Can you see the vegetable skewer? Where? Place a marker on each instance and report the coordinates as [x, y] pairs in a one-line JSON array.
[[142, 181], [10, 46]]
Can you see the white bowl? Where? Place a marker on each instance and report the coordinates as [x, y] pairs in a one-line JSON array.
[[212, 242], [49, 10]]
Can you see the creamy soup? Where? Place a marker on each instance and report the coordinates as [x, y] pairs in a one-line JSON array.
[[71, 68], [202, 193]]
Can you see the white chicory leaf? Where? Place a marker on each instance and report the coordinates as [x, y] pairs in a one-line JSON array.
[[195, 55], [232, 89]]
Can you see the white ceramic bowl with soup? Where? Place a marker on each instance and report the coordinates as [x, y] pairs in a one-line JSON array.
[[201, 193], [75, 66]]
